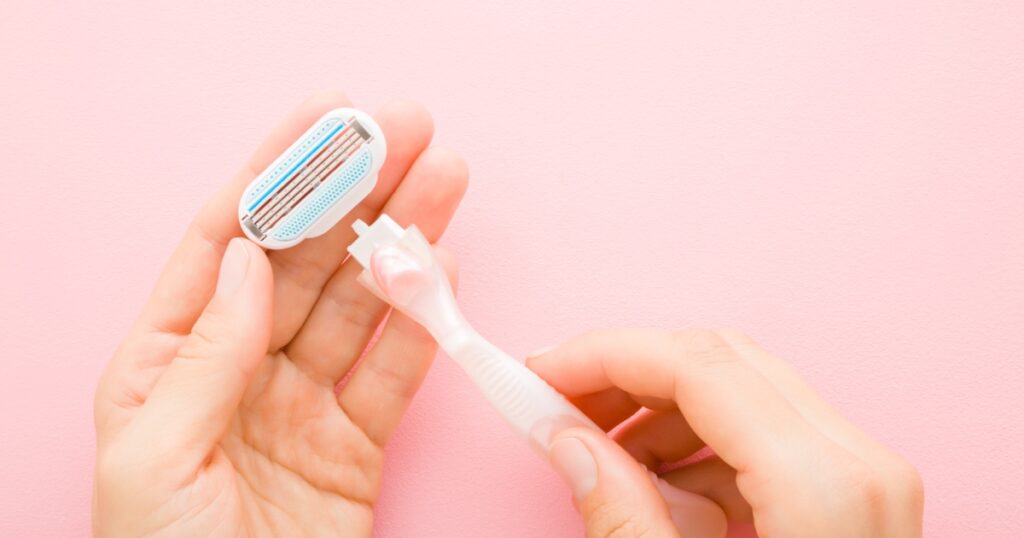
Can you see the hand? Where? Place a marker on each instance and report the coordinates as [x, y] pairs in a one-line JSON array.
[[783, 458], [218, 414]]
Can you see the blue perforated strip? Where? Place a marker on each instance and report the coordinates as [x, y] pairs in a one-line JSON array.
[[324, 197], [296, 167]]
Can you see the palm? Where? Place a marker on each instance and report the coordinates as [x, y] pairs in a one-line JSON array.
[[306, 468], [287, 453]]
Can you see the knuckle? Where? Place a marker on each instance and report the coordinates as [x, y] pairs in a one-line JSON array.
[[867, 491], [358, 308], [908, 483], [204, 341], [195, 347], [704, 348], [366, 474], [394, 382], [880, 491], [305, 271]]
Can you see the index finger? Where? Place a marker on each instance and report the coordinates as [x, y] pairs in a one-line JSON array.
[[729, 405]]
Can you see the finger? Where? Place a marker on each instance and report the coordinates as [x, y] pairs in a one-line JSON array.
[[714, 479], [347, 314], [187, 281], [384, 383], [607, 408], [300, 272], [656, 437], [618, 497], [610, 407], [727, 403], [814, 409], [197, 394]]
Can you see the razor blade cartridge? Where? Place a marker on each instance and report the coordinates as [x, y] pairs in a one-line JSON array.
[[315, 182]]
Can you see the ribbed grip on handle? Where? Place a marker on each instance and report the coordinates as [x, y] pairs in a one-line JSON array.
[[526, 401], [503, 381]]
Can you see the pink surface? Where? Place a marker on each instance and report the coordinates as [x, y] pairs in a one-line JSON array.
[[843, 180]]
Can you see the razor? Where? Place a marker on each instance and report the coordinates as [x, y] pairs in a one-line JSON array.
[[315, 182]]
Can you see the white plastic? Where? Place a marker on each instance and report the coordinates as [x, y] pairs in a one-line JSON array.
[[329, 215], [400, 268]]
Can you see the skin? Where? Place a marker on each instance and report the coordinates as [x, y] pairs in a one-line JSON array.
[[221, 413], [218, 415], [782, 457]]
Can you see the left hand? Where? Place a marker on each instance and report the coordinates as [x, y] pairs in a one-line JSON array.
[[218, 414]]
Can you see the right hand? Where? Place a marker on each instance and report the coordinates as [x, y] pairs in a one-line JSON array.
[[783, 458]]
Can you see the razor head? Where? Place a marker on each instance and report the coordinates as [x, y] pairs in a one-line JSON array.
[[315, 182]]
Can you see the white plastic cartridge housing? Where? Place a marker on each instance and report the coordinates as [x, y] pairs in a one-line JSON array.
[[316, 181]]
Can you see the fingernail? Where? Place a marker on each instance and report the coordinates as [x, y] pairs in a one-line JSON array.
[[574, 463], [232, 268], [691, 512], [539, 352]]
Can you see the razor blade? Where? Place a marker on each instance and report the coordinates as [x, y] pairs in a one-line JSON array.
[[315, 182]]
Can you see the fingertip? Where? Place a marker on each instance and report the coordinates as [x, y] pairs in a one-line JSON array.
[[574, 461], [453, 166], [550, 362], [408, 117], [598, 442], [407, 128], [691, 512], [254, 302], [614, 491], [535, 359], [250, 245], [579, 432], [258, 261]]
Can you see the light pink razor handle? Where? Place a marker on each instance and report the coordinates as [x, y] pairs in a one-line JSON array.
[[402, 270]]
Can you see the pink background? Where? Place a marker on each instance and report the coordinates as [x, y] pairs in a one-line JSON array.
[[844, 180]]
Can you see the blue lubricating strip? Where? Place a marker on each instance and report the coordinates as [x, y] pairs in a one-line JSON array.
[[273, 175], [298, 164], [325, 197]]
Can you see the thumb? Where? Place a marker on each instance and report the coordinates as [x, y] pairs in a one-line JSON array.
[[198, 393], [619, 497]]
